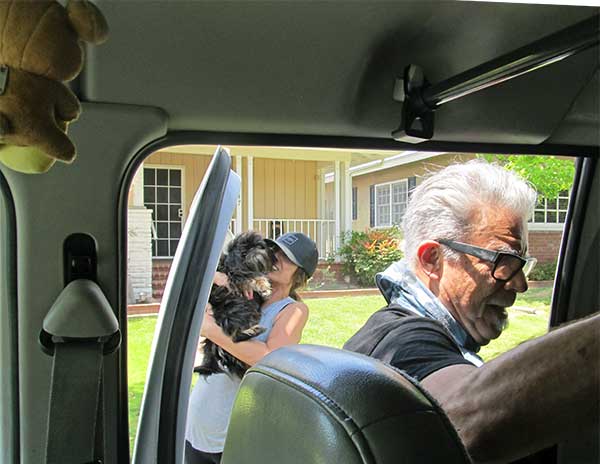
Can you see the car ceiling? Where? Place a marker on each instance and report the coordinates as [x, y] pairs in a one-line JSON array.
[[328, 68]]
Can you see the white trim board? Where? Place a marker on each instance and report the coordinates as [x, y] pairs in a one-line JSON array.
[[544, 227], [400, 159]]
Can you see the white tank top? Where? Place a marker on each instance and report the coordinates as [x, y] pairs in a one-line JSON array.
[[212, 398]]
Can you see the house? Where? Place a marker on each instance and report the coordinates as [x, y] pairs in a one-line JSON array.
[[321, 192]]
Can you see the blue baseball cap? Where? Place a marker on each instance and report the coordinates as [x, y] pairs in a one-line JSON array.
[[300, 249]]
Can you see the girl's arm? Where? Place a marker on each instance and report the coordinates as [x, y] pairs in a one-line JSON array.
[[287, 330]]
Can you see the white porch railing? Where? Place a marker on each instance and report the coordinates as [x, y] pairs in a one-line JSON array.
[[322, 231]]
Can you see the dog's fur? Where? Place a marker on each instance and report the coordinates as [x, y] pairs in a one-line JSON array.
[[246, 262]]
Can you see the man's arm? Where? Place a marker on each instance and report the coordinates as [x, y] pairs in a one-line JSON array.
[[531, 397]]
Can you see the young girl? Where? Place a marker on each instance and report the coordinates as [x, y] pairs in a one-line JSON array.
[[283, 316]]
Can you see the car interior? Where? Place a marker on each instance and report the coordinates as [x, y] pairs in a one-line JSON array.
[[425, 76]]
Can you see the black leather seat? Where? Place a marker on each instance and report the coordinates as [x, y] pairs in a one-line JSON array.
[[313, 404]]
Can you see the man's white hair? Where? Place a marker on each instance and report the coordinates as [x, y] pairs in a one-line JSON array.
[[442, 206]]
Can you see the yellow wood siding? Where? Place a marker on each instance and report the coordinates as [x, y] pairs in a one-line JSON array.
[[283, 189], [329, 207], [418, 169]]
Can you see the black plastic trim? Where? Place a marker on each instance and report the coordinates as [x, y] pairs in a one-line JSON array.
[[574, 222], [325, 141], [123, 451], [83, 247], [10, 248]]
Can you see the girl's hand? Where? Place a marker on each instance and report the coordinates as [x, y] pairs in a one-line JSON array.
[[209, 327], [221, 279]]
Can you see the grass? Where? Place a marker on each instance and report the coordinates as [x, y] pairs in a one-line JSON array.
[[332, 321], [140, 331]]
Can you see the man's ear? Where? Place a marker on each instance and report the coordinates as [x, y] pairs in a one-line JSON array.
[[430, 259]]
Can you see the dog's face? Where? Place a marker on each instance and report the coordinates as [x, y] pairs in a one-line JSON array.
[[250, 250], [260, 259]]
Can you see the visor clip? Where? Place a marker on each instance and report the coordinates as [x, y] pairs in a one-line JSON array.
[[417, 117]]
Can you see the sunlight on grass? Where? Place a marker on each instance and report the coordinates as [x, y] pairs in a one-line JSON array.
[[521, 325], [140, 331], [332, 321]]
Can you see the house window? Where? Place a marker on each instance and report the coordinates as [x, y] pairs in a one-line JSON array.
[[390, 203], [551, 210], [163, 195], [354, 203]]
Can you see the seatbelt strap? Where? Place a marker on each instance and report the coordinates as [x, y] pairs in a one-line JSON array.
[[77, 332], [74, 400]]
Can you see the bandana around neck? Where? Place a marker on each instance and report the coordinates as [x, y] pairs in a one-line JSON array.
[[401, 286]]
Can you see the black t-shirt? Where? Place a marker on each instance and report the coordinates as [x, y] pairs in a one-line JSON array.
[[417, 345]]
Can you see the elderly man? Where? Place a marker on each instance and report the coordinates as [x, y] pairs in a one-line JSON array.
[[465, 261]]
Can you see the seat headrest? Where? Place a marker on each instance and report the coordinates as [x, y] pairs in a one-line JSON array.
[[307, 403]]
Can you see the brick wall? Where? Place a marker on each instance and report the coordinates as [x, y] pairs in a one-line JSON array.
[[335, 269], [544, 245], [160, 272]]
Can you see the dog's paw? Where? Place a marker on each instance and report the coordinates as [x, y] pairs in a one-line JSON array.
[[262, 286], [247, 334]]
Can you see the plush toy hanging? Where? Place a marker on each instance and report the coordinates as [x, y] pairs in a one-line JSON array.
[[40, 49]]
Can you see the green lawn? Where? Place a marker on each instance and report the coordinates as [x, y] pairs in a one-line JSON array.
[[332, 321], [140, 331]]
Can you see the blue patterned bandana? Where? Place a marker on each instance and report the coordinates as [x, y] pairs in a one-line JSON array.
[[401, 286]]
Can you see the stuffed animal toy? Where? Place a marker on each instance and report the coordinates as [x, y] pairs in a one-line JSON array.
[[247, 260], [41, 49]]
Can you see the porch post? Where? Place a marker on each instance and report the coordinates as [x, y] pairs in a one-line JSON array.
[[138, 188], [139, 250], [238, 213], [347, 197], [320, 194], [338, 203], [250, 184]]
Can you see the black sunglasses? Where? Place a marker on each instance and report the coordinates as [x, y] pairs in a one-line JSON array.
[[506, 264]]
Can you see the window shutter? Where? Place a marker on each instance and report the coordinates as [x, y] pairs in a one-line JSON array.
[[412, 183], [372, 204]]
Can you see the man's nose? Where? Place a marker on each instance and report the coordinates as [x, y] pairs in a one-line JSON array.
[[518, 283]]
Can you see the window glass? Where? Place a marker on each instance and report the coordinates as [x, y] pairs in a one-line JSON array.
[[301, 195], [399, 200], [551, 210], [382, 198], [391, 203]]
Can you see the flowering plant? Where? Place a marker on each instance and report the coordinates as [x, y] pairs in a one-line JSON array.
[[366, 253]]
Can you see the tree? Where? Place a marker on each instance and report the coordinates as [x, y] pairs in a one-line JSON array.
[[550, 175]]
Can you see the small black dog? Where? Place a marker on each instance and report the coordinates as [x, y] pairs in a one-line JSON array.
[[246, 262]]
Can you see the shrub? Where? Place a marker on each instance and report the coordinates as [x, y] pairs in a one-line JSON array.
[[366, 253], [543, 271]]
